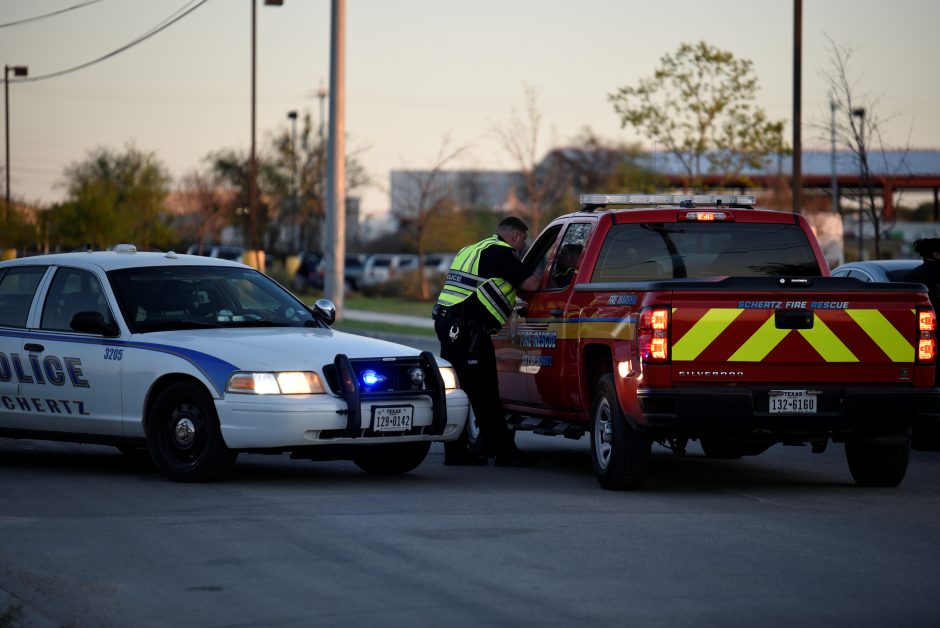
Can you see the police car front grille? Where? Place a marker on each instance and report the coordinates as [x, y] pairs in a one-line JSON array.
[[394, 370]]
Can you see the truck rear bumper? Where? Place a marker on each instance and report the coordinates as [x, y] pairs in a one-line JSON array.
[[838, 409]]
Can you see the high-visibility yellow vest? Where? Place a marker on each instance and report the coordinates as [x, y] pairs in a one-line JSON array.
[[496, 294]]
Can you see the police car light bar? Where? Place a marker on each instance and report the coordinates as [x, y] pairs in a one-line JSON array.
[[593, 201]]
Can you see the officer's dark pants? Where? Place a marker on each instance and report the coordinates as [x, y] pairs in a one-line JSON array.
[[474, 358]]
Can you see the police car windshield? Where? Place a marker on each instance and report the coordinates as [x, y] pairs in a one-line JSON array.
[[198, 297]]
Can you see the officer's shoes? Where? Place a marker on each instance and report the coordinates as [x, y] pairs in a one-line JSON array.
[[516, 458], [466, 461]]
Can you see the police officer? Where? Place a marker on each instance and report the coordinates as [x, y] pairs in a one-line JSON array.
[[928, 436], [477, 298], [928, 273]]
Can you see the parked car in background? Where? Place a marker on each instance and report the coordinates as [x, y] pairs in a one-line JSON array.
[[878, 271], [384, 267], [437, 264], [220, 251], [310, 272]]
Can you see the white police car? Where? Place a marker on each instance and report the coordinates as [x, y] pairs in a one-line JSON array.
[[198, 359]]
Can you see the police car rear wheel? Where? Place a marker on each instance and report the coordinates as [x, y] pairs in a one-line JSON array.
[[184, 436], [391, 459], [620, 453]]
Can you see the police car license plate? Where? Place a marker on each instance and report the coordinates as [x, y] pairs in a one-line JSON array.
[[392, 418], [792, 402]]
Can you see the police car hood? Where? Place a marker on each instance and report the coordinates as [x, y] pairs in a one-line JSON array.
[[275, 349]]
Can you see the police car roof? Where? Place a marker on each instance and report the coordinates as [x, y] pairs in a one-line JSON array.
[[118, 258]]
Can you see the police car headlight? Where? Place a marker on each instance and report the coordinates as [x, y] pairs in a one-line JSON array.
[[449, 376], [285, 383]]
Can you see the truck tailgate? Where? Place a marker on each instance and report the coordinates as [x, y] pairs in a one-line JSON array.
[[822, 330]]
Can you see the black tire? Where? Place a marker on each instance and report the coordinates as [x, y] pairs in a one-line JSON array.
[[391, 459], [470, 441], [184, 436], [620, 453], [876, 463]]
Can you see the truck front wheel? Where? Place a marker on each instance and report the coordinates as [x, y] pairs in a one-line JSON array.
[[882, 464], [619, 452]]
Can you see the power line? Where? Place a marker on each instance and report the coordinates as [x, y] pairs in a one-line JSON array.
[[44, 16], [167, 22]]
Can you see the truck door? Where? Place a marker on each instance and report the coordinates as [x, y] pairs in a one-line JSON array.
[[511, 354], [550, 343]]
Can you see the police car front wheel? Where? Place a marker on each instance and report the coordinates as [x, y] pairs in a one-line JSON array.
[[184, 436]]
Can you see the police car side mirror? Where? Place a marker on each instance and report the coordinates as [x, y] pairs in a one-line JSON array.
[[93, 323], [325, 311]]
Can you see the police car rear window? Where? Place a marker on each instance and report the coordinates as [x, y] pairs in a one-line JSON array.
[[17, 286], [649, 251]]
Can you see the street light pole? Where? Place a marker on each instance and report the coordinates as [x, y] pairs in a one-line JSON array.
[[860, 114], [336, 159], [18, 70], [252, 160], [292, 116]]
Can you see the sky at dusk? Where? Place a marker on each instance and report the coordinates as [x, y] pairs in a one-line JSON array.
[[418, 72]]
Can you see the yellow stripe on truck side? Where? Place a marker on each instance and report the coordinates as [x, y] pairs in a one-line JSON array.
[[884, 334], [704, 332], [821, 338]]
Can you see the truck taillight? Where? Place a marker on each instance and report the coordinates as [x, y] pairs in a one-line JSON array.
[[927, 335], [653, 334]]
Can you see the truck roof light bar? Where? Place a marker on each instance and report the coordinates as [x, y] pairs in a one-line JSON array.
[[591, 202]]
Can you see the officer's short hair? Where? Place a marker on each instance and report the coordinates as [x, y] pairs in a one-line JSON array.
[[511, 222]]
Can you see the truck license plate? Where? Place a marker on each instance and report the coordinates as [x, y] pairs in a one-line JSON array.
[[392, 418], [792, 402]]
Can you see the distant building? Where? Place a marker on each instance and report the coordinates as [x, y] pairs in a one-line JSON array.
[[469, 189]]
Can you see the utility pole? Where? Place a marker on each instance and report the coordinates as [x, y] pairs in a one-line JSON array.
[[336, 162], [797, 174], [832, 136]]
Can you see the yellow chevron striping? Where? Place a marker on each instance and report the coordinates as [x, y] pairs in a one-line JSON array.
[[884, 334], [827, 343], [761, 343], [704, 332]]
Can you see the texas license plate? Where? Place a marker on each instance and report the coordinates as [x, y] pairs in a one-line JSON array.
[[792, 402], [392, 418]]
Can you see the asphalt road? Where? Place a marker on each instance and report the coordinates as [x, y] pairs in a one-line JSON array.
[[88, 538]]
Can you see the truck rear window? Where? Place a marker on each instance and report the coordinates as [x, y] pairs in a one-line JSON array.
[[644, 251]]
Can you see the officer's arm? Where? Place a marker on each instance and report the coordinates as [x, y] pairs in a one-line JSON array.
[[532, 282]]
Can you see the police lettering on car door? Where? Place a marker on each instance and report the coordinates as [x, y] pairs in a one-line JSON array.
[[49, 370]]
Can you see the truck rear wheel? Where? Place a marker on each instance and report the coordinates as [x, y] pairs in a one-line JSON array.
[[877, 463], [619, 452]]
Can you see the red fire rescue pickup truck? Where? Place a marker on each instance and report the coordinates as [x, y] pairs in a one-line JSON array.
[[668, 318]]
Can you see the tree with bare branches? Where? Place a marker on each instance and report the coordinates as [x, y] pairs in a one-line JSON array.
[[542, 184], [858, 125], [422, 199]]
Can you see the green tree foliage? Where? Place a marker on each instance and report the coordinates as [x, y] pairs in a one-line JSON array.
[[113, 197], [699, 105]]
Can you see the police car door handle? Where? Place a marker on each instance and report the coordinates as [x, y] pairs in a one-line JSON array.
[[29, 346]]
